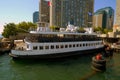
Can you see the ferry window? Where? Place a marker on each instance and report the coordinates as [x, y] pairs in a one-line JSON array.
[[46, 47], [70, 46], [27, 46], [52, 47], [73, 45], [80, 45], [77, 45], [83, 44], [40, 47], [86, 44], [62, 46], [57, 46], [34, 47], [66, 46], [98, 43], [89, 44]]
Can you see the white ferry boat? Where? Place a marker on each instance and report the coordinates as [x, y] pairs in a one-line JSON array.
[[44, 43]]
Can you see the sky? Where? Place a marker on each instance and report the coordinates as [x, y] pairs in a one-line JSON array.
[[22, 10]]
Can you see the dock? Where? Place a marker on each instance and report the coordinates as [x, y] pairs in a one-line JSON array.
[[116, 47], [4, 50]]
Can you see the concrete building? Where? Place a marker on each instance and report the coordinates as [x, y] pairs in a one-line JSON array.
[[104, 18], [117, 21], [35, 16], [117, 13], [77, 12], [44, 11], [97, 20]]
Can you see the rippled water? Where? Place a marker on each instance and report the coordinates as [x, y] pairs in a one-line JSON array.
[[77, 68]]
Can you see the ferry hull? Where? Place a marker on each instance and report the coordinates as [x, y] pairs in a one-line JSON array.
[[56, 55]]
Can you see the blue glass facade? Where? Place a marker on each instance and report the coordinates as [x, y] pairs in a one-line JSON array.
[[35, 16]]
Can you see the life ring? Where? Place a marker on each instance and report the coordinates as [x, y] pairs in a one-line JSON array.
[[98, 65], [102, 61]]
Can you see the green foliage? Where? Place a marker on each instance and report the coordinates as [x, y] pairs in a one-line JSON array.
[[102, 30], [9, 30], [81, 29], [98, 29], [12, 29], [106, 31], [54, 28], [25, 26]]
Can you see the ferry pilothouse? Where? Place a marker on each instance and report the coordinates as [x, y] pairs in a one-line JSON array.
[[44, 43]]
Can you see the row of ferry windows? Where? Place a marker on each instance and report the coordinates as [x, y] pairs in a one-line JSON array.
[[64, 46]]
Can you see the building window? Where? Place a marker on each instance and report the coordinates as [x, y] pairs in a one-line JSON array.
[[35, 47], [40, 47]]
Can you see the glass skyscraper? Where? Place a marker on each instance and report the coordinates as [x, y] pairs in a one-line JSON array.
[[77, 12], [104, 18], [36, 17]]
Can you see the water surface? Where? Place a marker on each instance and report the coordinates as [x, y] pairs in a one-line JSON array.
[[77, 68]]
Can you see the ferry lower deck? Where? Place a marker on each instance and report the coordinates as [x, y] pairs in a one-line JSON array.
[[57, 49], [55, 55]]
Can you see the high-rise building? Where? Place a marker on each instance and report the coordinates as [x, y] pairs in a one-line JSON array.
[[77, 12], [36, 17], [104, 18], [117, 13], [44, 11]]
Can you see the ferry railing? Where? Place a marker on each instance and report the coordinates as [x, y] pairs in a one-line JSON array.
[[60, 39]]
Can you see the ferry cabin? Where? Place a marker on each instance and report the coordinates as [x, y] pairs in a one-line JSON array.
[[62, 42]]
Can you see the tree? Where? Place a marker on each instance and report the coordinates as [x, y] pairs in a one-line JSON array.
[[24, 27], [81, 30], [107, 30], [32, 26], [98, 29], [54, 28], [102, 30], [9, 30], [12, 29]]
